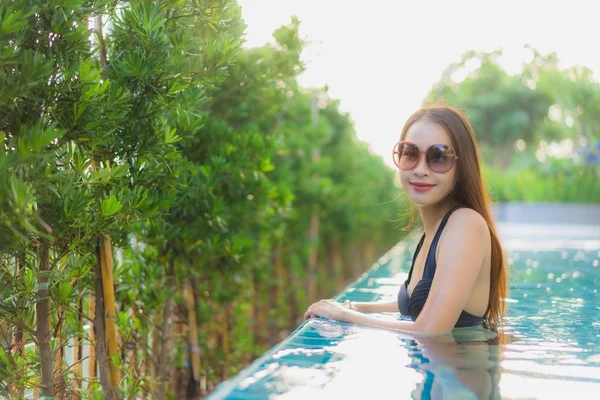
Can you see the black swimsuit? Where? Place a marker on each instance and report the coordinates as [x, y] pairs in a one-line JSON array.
[[413, 305]]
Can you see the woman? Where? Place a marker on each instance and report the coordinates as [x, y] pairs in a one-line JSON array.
[[457, 277]]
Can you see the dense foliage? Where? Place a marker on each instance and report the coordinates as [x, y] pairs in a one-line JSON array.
[[170, 201]]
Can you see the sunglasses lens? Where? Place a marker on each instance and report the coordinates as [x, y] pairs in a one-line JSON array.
[[440, 158], [407, 156]]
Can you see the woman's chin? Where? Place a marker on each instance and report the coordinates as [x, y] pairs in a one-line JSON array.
[[423, 199]]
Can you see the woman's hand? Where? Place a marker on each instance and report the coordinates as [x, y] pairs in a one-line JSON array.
[[350, 305], [327, 308]]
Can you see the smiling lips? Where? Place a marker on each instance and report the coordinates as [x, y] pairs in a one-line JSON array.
[[421, 187]]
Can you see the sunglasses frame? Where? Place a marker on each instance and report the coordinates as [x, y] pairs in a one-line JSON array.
[[397, 145]]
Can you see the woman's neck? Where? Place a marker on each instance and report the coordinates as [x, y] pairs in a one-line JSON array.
[[432, 215]]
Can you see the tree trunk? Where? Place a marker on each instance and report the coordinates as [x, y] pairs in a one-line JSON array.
[[346, 262], [313, 256], [131, 351], [260, 327], [153, 356], [369, 255], [165, 333], [108, 290], [19, 348], [314, 219], [292, 299], [335, 257], [92, 349], [176, 337], [78, 351], [251, 300], [225, 340], [279, 276], [145, 370], [196, 291], [43, 323], [188, 294], [19, 335], [356, 261], [276, 299], [101, 347], [59, 353]]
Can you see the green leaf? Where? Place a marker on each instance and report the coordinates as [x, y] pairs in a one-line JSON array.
[[110, 206], [124, 318], [78, 109], [266, 166], [104, 86], [47, 136], [170, 136], [65, 290]]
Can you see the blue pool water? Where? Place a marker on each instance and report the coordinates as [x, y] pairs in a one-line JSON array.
[[549, 347]]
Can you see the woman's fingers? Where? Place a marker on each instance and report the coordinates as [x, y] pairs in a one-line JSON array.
[[309, 312]]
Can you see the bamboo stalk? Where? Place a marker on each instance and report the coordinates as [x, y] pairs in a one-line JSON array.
[[101, 346], [108, 289], [43, 323]]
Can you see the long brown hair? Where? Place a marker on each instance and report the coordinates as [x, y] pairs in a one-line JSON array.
[[470, 191]]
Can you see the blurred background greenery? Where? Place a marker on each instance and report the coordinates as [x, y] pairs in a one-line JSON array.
[[539, 130]]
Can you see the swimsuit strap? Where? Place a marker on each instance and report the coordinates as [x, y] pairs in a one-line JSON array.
[[438, 234], [415, 258]]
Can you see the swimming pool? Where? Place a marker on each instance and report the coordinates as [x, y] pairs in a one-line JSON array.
[[550, 346]]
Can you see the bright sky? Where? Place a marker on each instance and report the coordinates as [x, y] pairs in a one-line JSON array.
[[381, 57]]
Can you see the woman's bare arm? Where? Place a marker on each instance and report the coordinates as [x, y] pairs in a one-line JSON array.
[[458, 266], [459, 263], [380, 306]]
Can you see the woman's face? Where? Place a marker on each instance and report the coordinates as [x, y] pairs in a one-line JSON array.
[[424, 134]]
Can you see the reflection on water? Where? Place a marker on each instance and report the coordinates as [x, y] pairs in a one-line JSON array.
[[548, 347], [353, 361]]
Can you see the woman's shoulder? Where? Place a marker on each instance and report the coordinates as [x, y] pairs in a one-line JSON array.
[[466, 235], [466, 219]]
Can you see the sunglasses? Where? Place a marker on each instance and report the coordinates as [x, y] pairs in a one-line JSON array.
[[440, 157]]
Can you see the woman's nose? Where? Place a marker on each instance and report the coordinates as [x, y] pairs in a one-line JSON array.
[[421, 169]]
